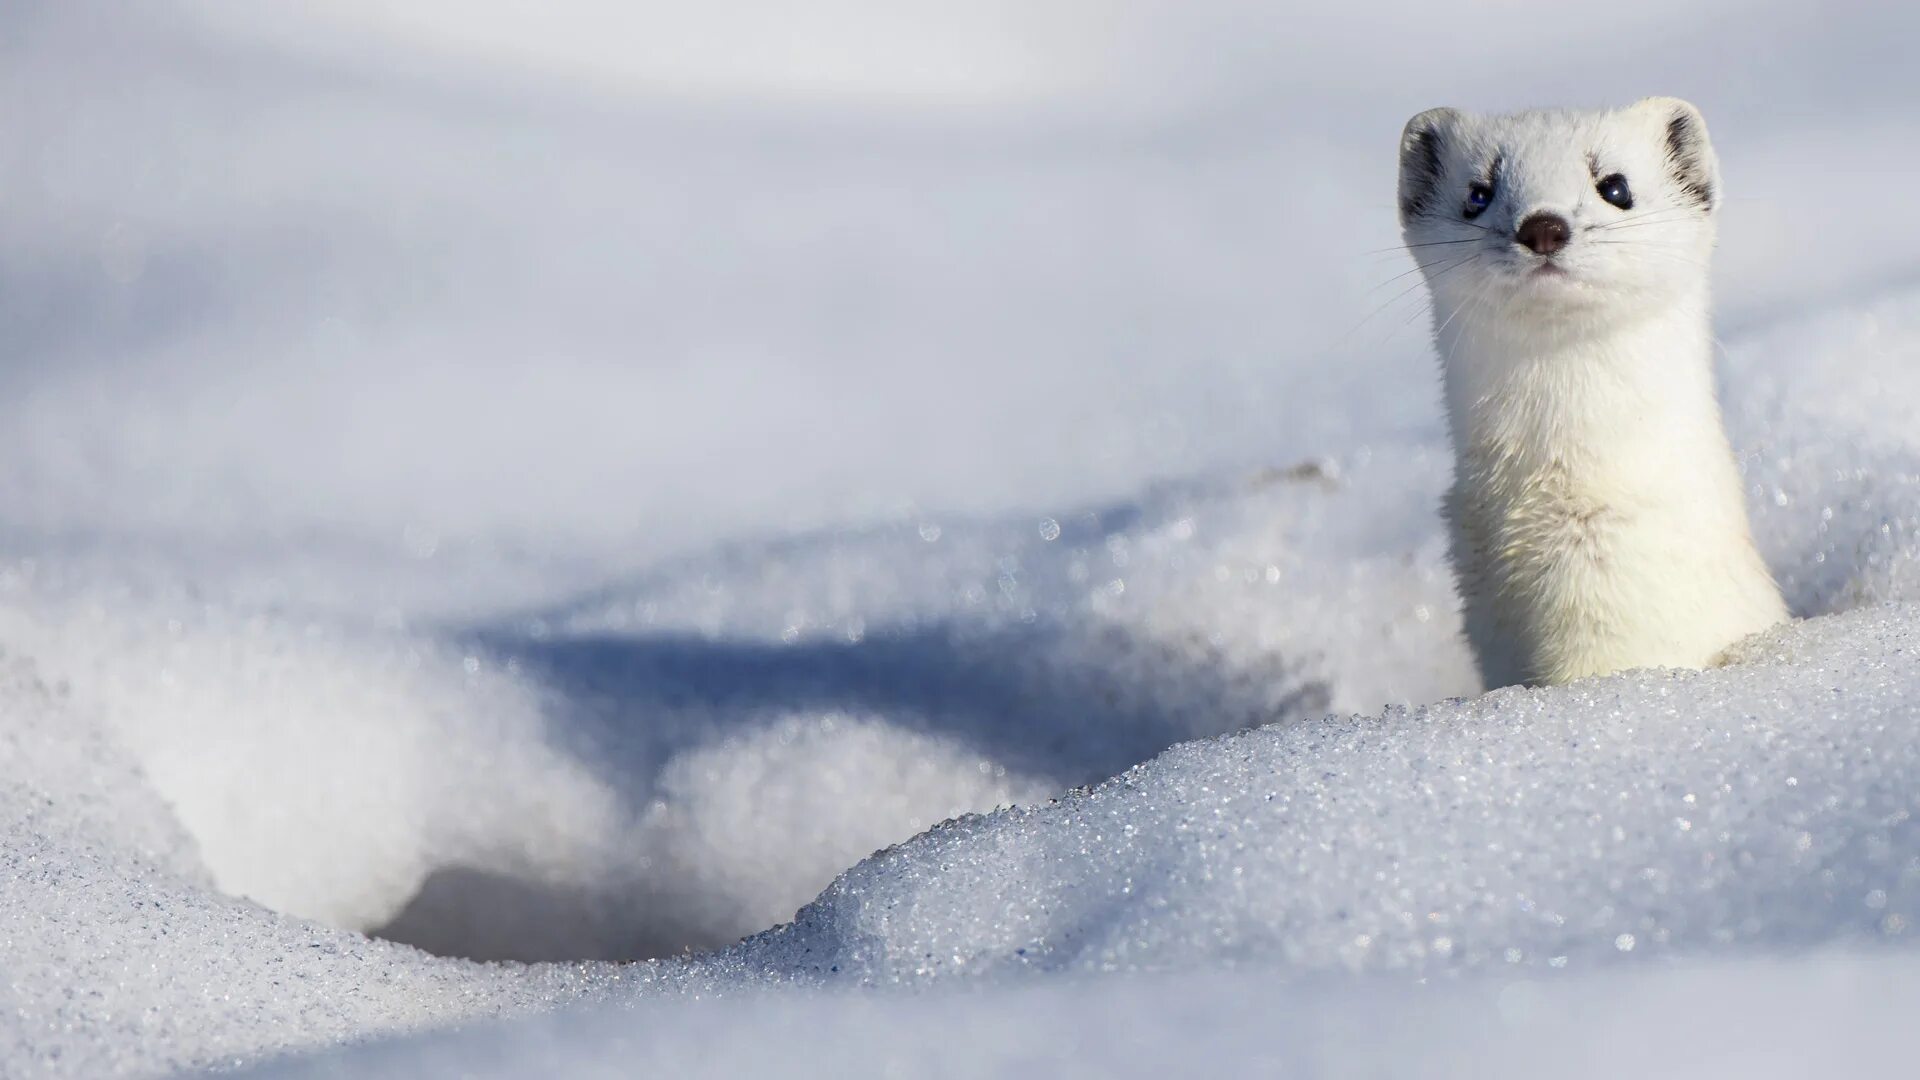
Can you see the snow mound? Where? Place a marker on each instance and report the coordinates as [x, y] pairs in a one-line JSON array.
[[63, 773], [1766, 805], [1816, 405], [120, 956], [1528, 854], [686, 759], [322, 772]]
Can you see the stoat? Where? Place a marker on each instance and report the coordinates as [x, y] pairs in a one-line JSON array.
[[1596, 512]]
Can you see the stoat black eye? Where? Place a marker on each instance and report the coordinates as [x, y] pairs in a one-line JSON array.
[[1614, 189], [1479, 197]]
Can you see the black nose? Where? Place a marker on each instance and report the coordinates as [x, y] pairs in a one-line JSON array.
[[1544, 233]]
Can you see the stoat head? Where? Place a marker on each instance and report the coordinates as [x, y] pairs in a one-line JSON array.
[[1560, 215]]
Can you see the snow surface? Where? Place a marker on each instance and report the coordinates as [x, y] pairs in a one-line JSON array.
[[1841, 1015], [468, 482]]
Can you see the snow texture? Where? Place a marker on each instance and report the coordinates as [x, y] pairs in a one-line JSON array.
[[1837, 1015], [480, 486]]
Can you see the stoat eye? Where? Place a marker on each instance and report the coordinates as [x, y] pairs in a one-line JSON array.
[[1614, 189], [1479, 197]]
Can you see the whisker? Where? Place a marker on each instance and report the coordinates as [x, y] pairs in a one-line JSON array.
[[1478, 299], [1651, 217], [1636, 225], [1457, 309], [1418, 266], [1404, 323], [1457, 221], [1659, 211], [1637, 241], [1408, 321], [1655, 248], [1455, 264], [1428, 244]]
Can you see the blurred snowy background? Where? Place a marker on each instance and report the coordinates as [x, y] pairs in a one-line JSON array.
[[565, 481]]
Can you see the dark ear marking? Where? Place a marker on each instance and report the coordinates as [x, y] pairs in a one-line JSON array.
[[1422, 161], [1420, 173], [1687, 158]]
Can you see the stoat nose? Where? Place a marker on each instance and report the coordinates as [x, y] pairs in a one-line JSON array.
[[1543, 233]]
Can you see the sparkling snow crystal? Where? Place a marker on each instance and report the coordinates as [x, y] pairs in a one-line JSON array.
[[604, 544]]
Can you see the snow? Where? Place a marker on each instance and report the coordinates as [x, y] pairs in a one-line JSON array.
[[1840, 1015], [1647, 813], [120, 957], [469, 483]]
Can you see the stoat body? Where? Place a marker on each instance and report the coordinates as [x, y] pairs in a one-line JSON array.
[[1596, 512]]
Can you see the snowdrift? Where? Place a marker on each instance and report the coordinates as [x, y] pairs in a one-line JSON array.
[[1764, 809], [472, 513]]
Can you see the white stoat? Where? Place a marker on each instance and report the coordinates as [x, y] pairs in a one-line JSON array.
[[1596, 512]]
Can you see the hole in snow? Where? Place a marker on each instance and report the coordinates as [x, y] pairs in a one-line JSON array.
[[739, 777], [604, 796]]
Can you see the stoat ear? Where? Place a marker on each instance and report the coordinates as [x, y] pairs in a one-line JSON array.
[[1690, 157], [1422, 159]]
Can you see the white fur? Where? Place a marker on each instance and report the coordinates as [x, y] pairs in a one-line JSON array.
[[1596, 510]]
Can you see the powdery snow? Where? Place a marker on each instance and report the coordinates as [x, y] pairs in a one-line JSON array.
[[560, 512], [120, 957], [1832, 1015], [1767, 805]]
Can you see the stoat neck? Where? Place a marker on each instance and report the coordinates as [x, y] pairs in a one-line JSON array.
[[1513, 388], [1629, 412]]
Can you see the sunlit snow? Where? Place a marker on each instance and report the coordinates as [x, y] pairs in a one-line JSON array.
[[920, 530]]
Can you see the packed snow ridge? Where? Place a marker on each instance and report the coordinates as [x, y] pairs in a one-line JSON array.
[[1771, 804]]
